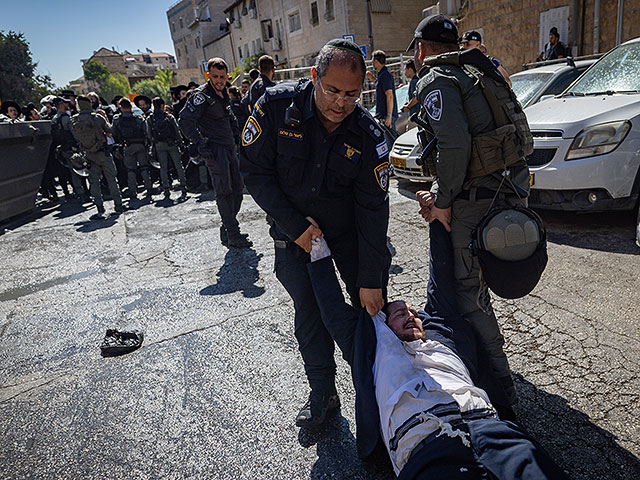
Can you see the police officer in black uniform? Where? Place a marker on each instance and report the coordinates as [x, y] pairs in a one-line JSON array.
[[267, 70], [208, 121], [317, 163]]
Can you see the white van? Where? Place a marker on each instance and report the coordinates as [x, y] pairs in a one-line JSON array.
[[587, 140]]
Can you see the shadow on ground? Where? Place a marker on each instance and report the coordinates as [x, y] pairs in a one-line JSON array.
[[239, 273], [584, 450]]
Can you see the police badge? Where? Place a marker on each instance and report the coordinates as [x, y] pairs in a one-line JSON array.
[[251, 132], [433, 105]]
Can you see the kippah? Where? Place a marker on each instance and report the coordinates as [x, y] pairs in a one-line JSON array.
[[344, 44]]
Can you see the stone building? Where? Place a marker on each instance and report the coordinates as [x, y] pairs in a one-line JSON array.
[[194, 24], [517, 31], [110, 58]]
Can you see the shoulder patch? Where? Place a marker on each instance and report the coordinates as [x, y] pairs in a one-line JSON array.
[[251, 132], [434, 105], [258, 110], [382, 175], [198, 99], [382, 148]]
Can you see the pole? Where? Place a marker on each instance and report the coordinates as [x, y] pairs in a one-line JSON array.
[[596, 26], [368, 4], [620, 18]]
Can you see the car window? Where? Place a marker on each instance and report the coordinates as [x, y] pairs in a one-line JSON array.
[[526, 85], [563, 81], [618, 71]]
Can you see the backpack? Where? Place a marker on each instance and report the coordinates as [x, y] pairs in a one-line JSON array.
[[161, 129], [131, 128], [88, 132], [511, 141]]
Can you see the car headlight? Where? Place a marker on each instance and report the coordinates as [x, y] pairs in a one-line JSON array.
[[598, 140]]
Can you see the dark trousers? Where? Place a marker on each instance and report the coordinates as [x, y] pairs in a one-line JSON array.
[[314, 341], [224, 169]]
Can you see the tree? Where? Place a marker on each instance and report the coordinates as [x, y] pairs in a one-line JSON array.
[[115, 84], [94, 71], [151, 88], [18, 78]]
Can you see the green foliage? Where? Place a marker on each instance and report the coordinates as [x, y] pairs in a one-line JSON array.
[[94, 71], [152, 88], [251, 62], [165, 78], [114, 84], [234, 73], [18, 78]]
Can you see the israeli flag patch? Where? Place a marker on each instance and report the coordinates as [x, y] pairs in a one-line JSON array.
[[433, 105], [382, 148]]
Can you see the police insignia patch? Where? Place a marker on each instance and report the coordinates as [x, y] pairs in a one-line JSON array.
[[251, 132], [433, 105], [350, 153], [198, 99], [382, 148], [382, 175]]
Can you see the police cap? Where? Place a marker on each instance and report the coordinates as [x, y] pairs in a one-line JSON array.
[[471, 35], [436, 28]]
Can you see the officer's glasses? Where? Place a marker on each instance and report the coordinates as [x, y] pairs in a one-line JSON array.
[[334, 97]]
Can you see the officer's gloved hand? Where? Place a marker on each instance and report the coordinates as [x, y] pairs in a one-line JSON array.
[[205, 151]]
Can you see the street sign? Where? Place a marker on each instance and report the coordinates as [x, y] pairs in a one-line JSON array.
[[350, 36], [363, 49], [205, 73]]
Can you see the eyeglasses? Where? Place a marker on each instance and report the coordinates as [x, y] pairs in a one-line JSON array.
[[334, 97]]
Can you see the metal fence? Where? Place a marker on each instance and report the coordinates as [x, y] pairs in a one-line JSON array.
[[395, 65]]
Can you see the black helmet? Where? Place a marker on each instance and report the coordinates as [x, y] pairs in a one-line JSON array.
[[511, 246]]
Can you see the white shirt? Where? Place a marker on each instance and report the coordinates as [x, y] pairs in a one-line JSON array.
[[414, 377]]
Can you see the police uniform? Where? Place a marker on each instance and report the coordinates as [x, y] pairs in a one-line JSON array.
[[340, 179], [458, 112], [99, 162], [258, 87], [129, 131], [208, 121], [163, 132]]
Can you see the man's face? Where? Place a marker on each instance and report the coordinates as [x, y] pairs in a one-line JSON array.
[[63, 107], [409, 73], [218, 79], [403, 319], [553, 39], [244, 87], [182, 94], [339, 81], [469, 44], [143, 105], [12, 113]]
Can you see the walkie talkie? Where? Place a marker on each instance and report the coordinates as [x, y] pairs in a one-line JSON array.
[[292, 116]]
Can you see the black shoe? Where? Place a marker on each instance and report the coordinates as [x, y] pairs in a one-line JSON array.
[[98, 216], [184, 192], [315, 410], [238, 241], [167, 194], [120, 209], [224, 237]]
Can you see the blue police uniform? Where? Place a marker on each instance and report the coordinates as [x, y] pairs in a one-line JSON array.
[[293, 169], [207, 120]]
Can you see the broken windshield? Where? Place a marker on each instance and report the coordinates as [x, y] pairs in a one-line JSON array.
[[617, 72]]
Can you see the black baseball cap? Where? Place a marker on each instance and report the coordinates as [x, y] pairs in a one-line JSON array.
[[436, 28], [471, 35]]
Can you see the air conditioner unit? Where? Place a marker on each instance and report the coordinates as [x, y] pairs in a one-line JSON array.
[[449, 8], [253, 13], [276, 44], [434, 10]]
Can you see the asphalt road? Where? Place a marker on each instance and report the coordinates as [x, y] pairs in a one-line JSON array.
[[214, 390]]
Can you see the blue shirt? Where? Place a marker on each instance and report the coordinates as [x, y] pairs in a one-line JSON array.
[[384, 83]]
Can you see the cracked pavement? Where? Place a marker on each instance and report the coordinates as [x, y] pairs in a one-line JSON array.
[[214, 391]]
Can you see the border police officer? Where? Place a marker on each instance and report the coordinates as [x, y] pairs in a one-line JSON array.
[[461, 118], [310, 153], [267, 69], [208, 121]]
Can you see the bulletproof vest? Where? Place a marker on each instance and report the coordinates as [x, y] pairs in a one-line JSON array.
[[131, 128], [511, 141], [61, 136], [88, 132], [161, 129]]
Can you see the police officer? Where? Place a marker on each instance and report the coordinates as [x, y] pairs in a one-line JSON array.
[[129, 131], [166, 142], [239, 110], [208, 121], [317, 163], [90, 130], [267, 70], [457, 110]]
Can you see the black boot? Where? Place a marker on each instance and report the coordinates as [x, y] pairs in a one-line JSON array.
[[167, 194], [314, 412]]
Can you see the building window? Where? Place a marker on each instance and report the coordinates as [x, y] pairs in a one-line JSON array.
[[315, 20], [267, 30], [329, 11], [186, 51], [197, 42], [181, 24], [246, 50], [240, 53], [380, 6], [294, 22], [173, 26]]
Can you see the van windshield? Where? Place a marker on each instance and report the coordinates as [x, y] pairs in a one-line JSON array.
[[526, 85], [617, 72]]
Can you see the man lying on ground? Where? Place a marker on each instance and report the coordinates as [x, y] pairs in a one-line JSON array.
[[423, 383]]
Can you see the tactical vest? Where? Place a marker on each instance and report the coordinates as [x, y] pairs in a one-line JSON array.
[[161, 130], [511, 141], [131, 128], [88, 132], [61, 136]]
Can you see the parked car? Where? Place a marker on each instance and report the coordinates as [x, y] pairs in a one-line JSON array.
[[402, 97], [404, 155], [530, 86], [587, 141]]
